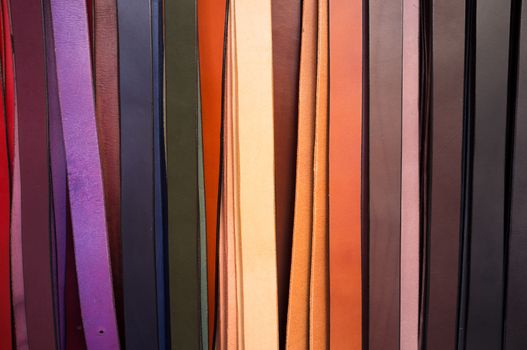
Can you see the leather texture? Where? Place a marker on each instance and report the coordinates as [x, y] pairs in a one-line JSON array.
[[345, 173], [106, 87], [211, 25], [298, 310], [29, 48], [255, 166], [446, 45], [182, 173], [484, 310], [71, 38], [286, 21], [386, 38]]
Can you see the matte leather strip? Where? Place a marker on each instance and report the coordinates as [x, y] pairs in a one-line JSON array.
[[319, 275], [447, 44], [286, 20], [106, 85], [255, 149], [28, 39], [137, 175], [182, 173], [298, 311], [409, 289], [160, 170], [211, 28], [485, 299], [70, 29], [345, 146], [385, 172], [516, 305]]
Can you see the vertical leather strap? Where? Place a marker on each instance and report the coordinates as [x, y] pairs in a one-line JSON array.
[[409, 289], [445, 43], [106, 85], [385, 172], [182, 173], [286, 20], [137, 175], [345, 147], [8, 80], [486, 251], [298, 310], [319, 274], [28, 39], [255, 166], [211, 27], [70, 29]]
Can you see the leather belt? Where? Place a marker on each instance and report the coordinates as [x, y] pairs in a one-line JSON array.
[[484, 311], [28, 40], [137, 175], [298, 310], [444, 42], [286, 19], [319, 274], [255, 151], [160, 171], [409, 285], [182, 174], [211, 25], [84, 173], [385, 173], [515, 307], [106, 86]]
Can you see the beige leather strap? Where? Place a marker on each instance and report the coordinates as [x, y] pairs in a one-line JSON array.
[[255, 149], [298, 312], [319, 284]]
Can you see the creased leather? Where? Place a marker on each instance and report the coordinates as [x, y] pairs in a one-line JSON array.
[[385, 173], [345, 171]]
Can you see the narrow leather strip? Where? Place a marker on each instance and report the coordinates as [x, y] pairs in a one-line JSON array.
[[211, 27], [137, 175], [160, 170], [386, 25], [182, 174], [298, 310], [106, 85], [8, 81], [516, 306], [409, 289], [345, 146], [28, 42], [255, 166], [286, 21], [70, 29], [486, 260], [319, 275], [446, 48]]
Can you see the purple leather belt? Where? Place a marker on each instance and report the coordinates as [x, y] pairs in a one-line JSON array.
[[74, 77]]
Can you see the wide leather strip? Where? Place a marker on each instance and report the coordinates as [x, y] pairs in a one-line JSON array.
[[70, 29], [345, 147], [385, 172], [137, 175], [286, 20], [182, 173], [446, 48], [483, 328], [298, 310], [319, 274], [255, 151], [28, 42], [516, 305], [106, 85], [211, 28], [160, 170], [409, 285]]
